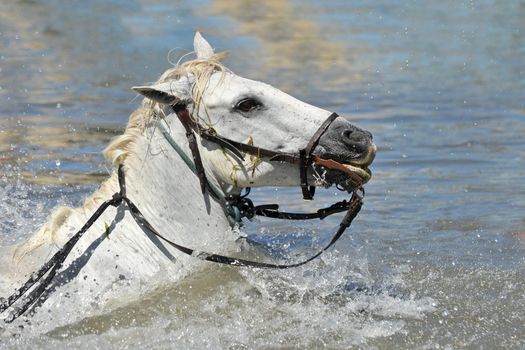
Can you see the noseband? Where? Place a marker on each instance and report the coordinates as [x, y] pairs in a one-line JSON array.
[[303, 157]]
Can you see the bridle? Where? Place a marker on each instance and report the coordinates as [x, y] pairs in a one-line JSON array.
[[236, 207], [303, 157]]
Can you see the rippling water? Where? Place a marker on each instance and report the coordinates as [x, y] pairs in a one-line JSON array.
[[436, 258]]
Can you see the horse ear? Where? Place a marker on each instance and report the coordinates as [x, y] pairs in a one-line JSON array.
[[170, 92], [202, 48]]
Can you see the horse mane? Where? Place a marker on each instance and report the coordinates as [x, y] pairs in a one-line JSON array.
[[123, 146], [201, 69]]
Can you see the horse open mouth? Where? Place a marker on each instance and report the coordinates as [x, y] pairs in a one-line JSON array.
[[348, 176], [362, 171]]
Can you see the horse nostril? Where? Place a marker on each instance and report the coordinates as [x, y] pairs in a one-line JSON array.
[[355, 136], [357, 142], [346, 133]]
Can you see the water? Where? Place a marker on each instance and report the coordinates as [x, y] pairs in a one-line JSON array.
[[436, 257]]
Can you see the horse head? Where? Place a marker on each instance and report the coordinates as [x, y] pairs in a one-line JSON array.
[[255, 113]]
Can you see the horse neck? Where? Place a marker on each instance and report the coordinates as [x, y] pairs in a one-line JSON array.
[[168, 193], [164, 189]]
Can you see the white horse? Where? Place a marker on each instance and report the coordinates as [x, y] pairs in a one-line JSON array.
[[106, 271]]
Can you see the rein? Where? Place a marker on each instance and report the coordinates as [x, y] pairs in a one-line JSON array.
[[236, 207]]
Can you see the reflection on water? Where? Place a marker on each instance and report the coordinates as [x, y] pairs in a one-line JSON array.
[[290, 41], [440, 238], [58, 90], [51, 153]]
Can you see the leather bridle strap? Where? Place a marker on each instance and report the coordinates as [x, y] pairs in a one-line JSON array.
[[306, 157], [236, 148], [354, 207], [182, 113], [249, 210], [303, 158]]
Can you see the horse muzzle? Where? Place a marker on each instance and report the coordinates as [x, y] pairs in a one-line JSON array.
[[344, 153]]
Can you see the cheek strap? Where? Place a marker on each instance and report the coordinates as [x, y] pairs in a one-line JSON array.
[[306, 159]]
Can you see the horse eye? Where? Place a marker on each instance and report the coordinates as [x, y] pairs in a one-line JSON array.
[[247, 105]]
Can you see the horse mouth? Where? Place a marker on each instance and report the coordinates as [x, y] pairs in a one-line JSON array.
[[346, 175], [359, 174], [362, 171]]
